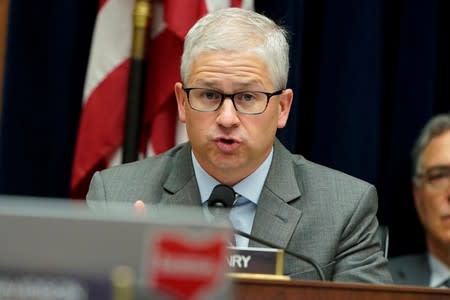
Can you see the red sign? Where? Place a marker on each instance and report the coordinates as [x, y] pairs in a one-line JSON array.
[[187, 268]]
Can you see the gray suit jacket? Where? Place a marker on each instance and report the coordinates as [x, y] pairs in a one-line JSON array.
[[410, 269], [306, 208]]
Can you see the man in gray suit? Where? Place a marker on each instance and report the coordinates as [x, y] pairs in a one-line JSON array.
[[232, 98], [431, 191]]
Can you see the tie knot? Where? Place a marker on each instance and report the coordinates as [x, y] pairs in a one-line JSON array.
[[240, 200]]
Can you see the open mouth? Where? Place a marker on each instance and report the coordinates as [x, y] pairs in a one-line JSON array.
[[227, 144], [227, 141]]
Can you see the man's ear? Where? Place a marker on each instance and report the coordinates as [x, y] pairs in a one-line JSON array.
[[284, 107], [181, 101]]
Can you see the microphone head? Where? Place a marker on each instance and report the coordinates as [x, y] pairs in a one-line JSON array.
[[222, 196]]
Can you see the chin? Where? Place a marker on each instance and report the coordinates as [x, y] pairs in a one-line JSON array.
[[225, 165]]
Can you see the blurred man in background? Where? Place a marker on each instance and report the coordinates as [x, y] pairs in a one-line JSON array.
[[431, 191]]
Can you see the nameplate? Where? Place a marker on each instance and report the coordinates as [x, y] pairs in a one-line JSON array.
[[256, 260]]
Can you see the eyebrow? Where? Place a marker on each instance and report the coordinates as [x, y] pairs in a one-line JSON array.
[[440, 166], [434, 168], [212, 84]]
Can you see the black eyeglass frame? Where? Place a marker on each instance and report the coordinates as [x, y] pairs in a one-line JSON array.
[[231, 96], [428, 175]]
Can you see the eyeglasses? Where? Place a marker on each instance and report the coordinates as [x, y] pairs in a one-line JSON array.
[[246, 102], [437, 178]]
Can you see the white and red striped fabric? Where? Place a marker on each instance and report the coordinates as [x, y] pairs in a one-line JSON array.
[[100, 132]]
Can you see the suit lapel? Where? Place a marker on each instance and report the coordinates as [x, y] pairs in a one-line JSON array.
[[276, 220], [422, 274], [181, 186]]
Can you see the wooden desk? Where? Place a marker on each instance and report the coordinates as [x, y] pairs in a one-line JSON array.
[[293, 289]]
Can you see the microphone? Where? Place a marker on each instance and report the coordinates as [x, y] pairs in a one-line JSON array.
[[221, 200], [309, 260], [223, 197]]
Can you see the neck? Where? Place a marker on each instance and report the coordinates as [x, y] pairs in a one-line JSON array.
[[231, 178]]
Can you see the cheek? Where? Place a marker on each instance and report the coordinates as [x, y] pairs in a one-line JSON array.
[[270, 119], [431, 210], [192, 124], [196, 124], [260, 129], [422, 206]]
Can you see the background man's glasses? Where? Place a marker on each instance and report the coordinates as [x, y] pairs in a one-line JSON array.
[[437, 178], [246, 102]]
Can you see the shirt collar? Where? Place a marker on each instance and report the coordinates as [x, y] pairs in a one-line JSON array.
[[439, 271], [250, 187]]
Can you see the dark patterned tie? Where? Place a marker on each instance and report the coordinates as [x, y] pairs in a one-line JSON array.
[[220, 202], [236, 202], [239, 207]]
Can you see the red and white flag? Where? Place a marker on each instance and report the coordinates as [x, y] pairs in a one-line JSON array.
[[100, 133]]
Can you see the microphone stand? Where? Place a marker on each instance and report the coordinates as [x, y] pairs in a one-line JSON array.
[[299, 256], [223, 196]]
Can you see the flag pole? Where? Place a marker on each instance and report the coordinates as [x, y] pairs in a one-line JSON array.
[[136, 80]]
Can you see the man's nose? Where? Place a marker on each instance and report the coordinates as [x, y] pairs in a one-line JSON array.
[[228, 116]]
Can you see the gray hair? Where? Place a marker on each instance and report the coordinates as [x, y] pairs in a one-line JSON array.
[[435, 127], [236, 29]]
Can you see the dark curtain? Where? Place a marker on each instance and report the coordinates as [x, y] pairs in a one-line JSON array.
[[366, 75], [48, 47]]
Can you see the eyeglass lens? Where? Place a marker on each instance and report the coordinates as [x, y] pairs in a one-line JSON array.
[[438, 177]]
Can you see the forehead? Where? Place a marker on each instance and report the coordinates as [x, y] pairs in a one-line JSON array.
[[437, 152], [237, 68]]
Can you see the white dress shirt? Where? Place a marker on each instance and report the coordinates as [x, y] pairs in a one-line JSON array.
[[440, 273], [243, 213]]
